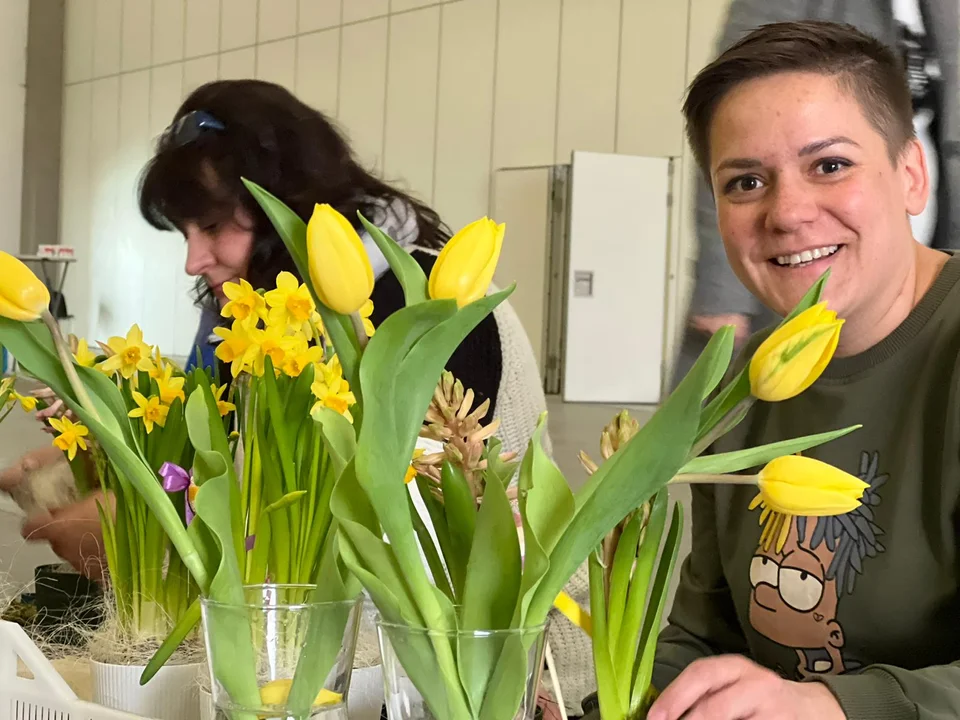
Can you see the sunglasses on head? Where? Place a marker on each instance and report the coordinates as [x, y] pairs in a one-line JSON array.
[[191, 126]]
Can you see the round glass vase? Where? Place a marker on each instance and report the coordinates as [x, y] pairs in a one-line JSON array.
[[286, 631], [461, 675]]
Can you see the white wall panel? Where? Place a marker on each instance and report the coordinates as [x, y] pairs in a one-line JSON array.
[[356, 10], [238, 64], [106, 38], [589, 51], [526, 85], [318, 70], [106, 299], [238, 23], [278, 19], [319, 14], [13, 26], [277, 62], [409, 144], [167, 31], [363, 80], [197, 72], [137, 35], [652, 78], [78, 40], [465, 110], [75, 187], [397, 6], [202, 32]]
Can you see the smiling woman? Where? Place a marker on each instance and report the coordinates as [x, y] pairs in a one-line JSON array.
[[804, 131]]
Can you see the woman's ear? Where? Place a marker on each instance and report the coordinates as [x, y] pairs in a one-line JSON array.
[[912, 167]]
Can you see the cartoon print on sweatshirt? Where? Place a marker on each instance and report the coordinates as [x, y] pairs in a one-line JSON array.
[[797, 587]]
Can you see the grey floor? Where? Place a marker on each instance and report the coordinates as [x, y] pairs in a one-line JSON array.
[[572, 427]]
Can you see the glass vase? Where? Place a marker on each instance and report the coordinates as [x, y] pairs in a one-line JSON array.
[[285, 628], [461, 675]]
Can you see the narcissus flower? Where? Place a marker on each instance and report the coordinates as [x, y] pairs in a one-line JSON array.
[[465, 267], [245, 304], [83, 355], [22, 296], [71, 435], [170, 388], [130, 354], [223, 407], [794, 356], [151, 410], [331, 389], [239, 347], [339, 267], [290, 303]]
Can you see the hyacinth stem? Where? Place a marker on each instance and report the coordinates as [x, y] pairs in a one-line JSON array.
[[358, 328], [66, 359]]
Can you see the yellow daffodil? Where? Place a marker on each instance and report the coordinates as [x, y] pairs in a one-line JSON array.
[[170, 388], [239, 347], [411, 471], [273, 343], [151, 410], [796, 485], [71, 435], [22, 296], [331, 389], [366, 310], [223, 407], [794, 356], [159, 365], [465, 267], [82, 354], [290, 303], [245, 304], [299, 358], [276, 692], [27, 402], [129, 354], [339, 267]]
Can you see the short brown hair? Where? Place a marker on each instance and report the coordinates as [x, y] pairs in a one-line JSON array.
[[862, 64]]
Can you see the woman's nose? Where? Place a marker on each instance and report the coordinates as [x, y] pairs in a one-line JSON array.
[[199, 252], [791, 205]]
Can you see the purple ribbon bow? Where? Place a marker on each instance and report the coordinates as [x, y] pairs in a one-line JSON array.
[[176, 479]]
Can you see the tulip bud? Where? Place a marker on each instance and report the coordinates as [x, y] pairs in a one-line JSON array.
[[794, 356], [22, 296], [797, 485], [465, 267], [339, 267]]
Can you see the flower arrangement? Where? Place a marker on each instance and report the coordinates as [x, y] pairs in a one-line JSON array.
[[479, 582]]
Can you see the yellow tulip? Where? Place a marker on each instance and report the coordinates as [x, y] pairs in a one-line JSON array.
[[797, 485], [794, 356], [339, 267], [22, 296], [465, 267]]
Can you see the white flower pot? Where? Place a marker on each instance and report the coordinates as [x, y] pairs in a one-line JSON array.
[[365, 698], [170, 695], [207, 710]]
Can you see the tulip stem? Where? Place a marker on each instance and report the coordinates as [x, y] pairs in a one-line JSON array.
[[66, 359], [358, 328], [724, 425], [713, 479]]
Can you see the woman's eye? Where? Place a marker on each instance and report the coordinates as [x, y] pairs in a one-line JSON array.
[[745, 184], [831, 166]]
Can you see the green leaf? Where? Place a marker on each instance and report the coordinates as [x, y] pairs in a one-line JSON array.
[[810, 298], [756, 456], [509, 680], [185, 625], [259, 556], [338, 437], [490, 591], [624, 644], [721, 359], [460, 510], [498, 470], [628, 479], [606, 671], [437, 570], [407, 270], [284, 501], [623, 562], [324, 637], [231, 649], [658, 597], [546, 508]]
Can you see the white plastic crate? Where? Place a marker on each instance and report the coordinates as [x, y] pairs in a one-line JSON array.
[[46, 696]]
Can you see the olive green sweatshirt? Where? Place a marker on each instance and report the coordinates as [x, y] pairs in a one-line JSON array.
[[868, 602]]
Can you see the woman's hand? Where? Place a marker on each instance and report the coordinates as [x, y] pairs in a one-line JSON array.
[[33, 460], [74, 534], [730, 687]]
